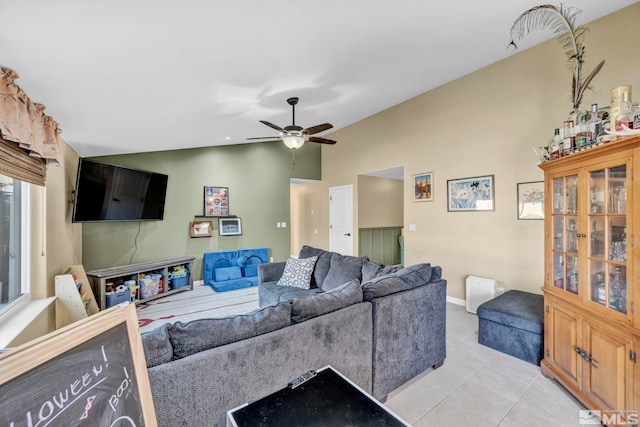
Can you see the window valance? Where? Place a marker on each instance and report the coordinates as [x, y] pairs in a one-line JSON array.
[[28, 137]]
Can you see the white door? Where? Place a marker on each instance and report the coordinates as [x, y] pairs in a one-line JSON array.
[[341, 219]]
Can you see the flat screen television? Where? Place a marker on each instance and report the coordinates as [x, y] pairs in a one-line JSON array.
[[107, 192]]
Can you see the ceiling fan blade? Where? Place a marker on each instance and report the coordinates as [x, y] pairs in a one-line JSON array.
[[275, 138], [271, 125], [317, 128], [322, 140]]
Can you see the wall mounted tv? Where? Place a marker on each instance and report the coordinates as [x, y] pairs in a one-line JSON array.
[[106, 192]]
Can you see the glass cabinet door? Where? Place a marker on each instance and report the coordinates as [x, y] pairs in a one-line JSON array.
[[608, 237], [565, 233]]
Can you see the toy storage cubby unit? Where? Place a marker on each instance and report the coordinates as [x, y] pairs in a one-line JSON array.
[[143, 282]]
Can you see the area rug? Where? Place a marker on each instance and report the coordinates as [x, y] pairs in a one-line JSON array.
[[201, 302]]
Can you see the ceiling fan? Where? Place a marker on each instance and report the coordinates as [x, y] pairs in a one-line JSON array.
[[295, 136]]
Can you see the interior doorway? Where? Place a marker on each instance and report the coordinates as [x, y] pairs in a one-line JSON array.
[[381, 215]]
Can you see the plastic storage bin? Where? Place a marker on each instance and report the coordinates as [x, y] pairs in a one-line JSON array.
[[179, 281], [148, 287], [117, 297]]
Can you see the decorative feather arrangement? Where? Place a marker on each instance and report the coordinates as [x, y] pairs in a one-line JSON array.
[[560, 20]]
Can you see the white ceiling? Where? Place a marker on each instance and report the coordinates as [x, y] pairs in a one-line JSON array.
[[123, 76]]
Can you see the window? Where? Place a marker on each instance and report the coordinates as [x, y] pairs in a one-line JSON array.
[[14, 229]]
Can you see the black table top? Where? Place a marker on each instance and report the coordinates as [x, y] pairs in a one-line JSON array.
[[327, 399]]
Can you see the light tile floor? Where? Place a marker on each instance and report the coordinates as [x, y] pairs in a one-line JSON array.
[[478, 386]]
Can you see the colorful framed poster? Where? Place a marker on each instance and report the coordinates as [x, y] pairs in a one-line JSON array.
[[471, 194], [216, 201], [423, 187]]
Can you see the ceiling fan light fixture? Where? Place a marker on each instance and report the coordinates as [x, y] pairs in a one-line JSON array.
[[293, 142]]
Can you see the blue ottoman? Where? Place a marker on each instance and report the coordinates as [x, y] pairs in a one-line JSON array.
[[513, 323]]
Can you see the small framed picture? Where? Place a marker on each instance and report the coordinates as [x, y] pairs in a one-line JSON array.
[[423, 187], [216, 201], [531, 200], [200, 229], [471, 194], [229, 226]]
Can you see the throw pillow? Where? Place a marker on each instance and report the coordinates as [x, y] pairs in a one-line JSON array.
[[313, 306], [202, 334], [322, 265], [297, 272], [343, 269]]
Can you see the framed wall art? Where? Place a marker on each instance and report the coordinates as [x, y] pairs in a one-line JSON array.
[[531, 200], [471, 194], [216, 201], [423, 187], [200, 229], [229, 226]]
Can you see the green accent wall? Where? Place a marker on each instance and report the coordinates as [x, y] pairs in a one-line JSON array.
[[258, 177]]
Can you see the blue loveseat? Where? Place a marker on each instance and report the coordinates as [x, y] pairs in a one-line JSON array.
[[236, 269]]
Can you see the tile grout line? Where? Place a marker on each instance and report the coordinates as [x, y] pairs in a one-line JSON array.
[[448, 395], [518, 399]]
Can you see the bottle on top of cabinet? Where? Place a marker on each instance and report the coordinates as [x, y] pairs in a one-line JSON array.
[[625, 117]]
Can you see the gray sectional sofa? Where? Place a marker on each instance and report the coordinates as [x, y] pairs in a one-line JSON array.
[[380, 333]]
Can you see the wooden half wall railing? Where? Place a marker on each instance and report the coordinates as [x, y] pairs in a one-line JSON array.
[[381, 244]]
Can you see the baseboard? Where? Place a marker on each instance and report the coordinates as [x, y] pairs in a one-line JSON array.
[[456, 301], [198, 283]]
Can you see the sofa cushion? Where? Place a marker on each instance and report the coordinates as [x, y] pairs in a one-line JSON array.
[[251, 270], [316, 305], [157, 346], [372, 269], [343, 269], [322, 265], [401, 280], [227, 273], [297, 272], [436, 273], [203, 334], [271, 293], [309, 251]]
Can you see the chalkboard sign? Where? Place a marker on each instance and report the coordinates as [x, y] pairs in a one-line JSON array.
[[91, 373]]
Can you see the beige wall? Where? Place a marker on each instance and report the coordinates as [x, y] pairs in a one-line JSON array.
[[309, 216], [55, 242], [380, 202], [484, 123]]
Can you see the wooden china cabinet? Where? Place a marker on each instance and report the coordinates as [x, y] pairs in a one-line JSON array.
[[592, 283]]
